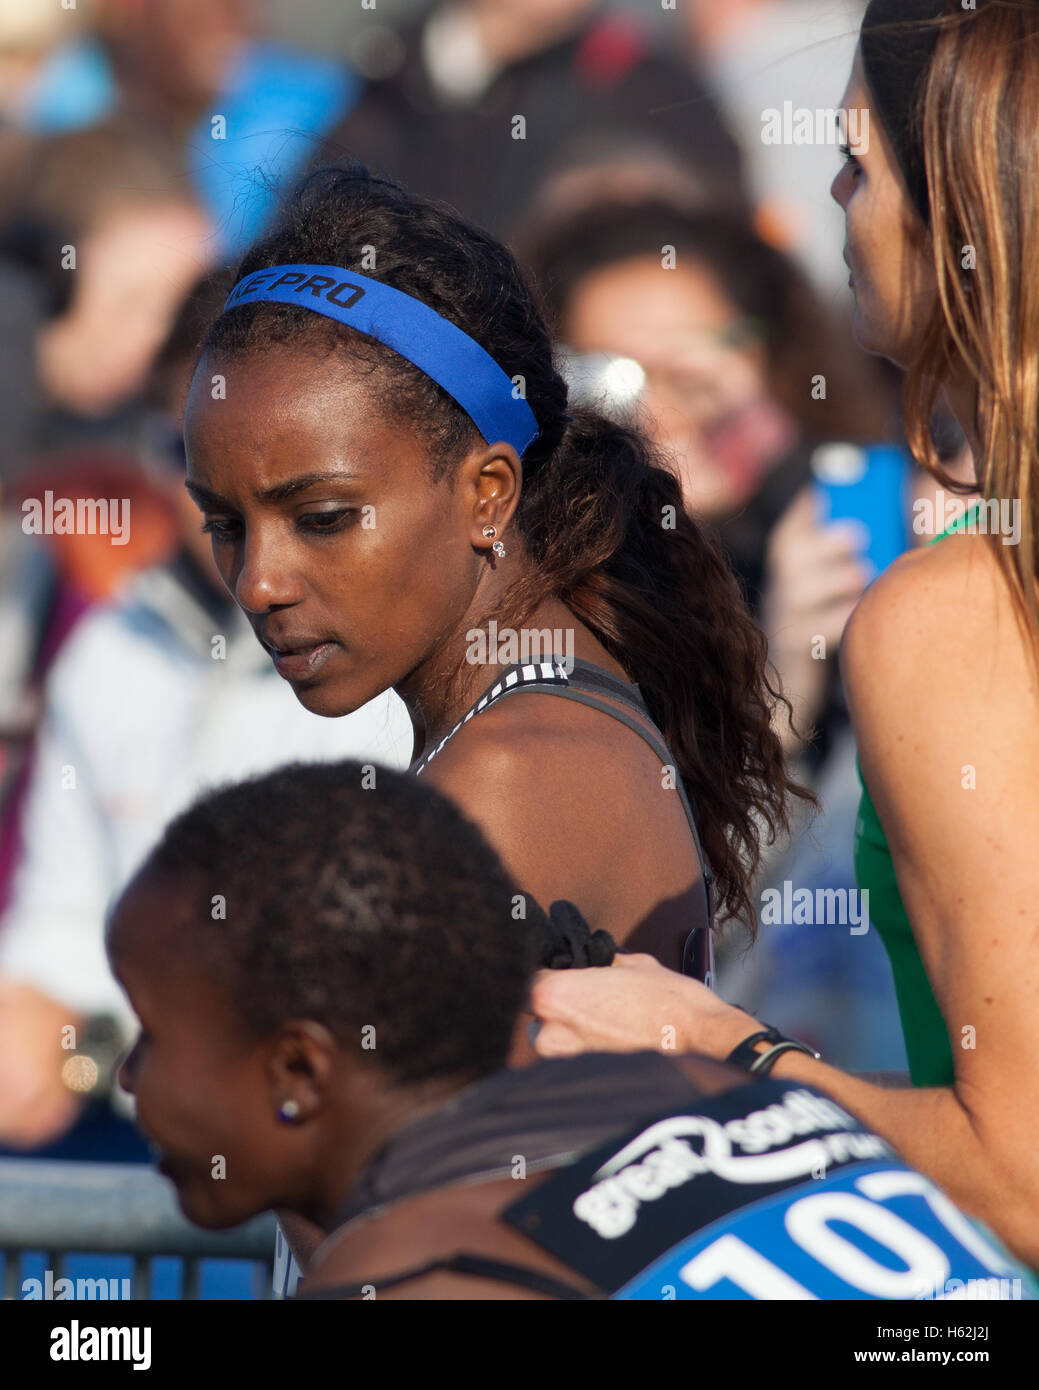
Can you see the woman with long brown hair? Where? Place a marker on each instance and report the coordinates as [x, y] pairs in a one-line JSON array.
[[941, 658]]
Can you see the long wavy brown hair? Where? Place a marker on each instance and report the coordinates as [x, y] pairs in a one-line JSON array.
[[979, 124]]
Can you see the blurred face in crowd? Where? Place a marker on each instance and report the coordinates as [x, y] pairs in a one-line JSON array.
[[176, 52], [705, 393], [353, 565], [892, 275]]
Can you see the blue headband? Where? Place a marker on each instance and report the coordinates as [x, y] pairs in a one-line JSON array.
[[418, 333]]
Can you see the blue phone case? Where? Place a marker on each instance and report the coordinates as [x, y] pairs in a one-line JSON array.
[[869, 485]]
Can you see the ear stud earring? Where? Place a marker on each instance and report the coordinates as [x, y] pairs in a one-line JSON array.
[[288, 1111], [490, 532]]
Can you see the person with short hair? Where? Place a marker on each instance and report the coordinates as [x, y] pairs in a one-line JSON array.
[[328, 974]]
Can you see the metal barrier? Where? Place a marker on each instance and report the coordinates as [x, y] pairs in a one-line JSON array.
[[113, 1209]]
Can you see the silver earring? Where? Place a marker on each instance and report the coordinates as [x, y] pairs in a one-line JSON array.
[[490, 532], [288, 1111]]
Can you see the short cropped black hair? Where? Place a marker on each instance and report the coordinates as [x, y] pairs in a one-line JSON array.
[[358, 906]]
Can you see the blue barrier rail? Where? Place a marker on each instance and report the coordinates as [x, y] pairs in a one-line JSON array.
[[62, 1220]]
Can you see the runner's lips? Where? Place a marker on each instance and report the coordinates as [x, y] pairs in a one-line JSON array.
[[289, 646], [300, 657]]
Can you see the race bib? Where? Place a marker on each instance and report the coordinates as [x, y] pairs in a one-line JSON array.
[[770, 1191]]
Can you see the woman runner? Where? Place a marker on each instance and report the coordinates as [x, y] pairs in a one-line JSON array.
[[399, 497]]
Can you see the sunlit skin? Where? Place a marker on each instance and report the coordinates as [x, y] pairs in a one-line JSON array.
[[940, 683], [282, 470], [891, 270]]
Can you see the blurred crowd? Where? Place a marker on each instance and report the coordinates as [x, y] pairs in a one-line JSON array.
[[143, 143]]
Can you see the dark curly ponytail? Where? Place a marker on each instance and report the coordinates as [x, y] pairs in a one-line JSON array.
[[600, 513], [604, 521]]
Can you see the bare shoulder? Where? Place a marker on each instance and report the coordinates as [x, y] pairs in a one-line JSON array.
[[543, 745], [940, 678], [943, 609], [567, 795]]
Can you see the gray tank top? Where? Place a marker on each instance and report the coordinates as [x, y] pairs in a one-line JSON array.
[[587, 684]]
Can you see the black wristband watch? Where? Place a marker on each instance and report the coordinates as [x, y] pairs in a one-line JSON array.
[[746, 1055]]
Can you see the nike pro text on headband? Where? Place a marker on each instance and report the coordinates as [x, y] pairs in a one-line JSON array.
[[418, 333]]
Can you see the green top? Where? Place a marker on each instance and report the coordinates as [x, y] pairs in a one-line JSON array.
[[926, 1036]]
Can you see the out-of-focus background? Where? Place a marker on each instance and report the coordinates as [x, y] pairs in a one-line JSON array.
[[143, 144]]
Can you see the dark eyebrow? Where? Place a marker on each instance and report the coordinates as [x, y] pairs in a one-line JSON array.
[[280, 492]]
